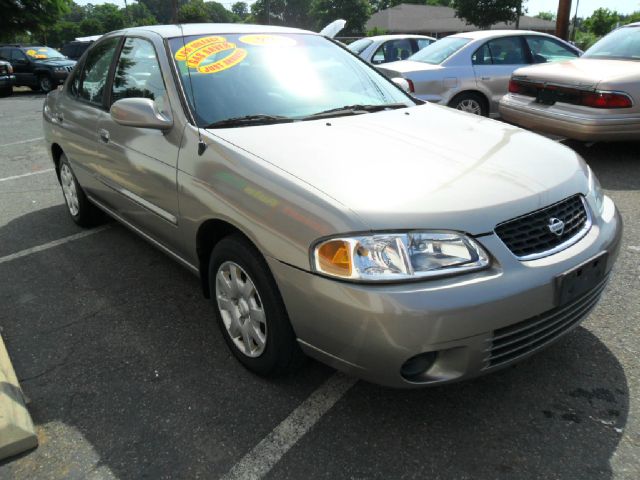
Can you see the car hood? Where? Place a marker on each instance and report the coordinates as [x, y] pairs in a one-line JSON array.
[[423, 167], [406, 66], [582, 72]]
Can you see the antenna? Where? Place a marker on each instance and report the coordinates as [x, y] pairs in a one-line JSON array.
[[201, 145]]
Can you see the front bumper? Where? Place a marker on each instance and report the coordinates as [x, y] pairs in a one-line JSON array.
[[571, 122], [370, 331]]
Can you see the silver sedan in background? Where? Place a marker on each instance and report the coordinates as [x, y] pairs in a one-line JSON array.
[[594, 98], [389, 48], [470, 71]]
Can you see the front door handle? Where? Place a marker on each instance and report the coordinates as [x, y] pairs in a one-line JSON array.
[[104, 135], [59, 117]]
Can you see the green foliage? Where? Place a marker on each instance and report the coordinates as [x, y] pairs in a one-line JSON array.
[[162, 10], [241, 10], [601, 21], [292, 13], [375, 31], [355, 12], [19, 16], [584, 40], [547, 16], [484, 13]]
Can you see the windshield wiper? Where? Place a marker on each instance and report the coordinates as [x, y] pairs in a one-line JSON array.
[[249, 120], [353, 110]]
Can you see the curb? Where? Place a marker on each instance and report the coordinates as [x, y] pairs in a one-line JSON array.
[[17, 433]]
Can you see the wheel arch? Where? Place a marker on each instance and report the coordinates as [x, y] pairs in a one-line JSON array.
[[56, 155], [209, 234], [479, 93]]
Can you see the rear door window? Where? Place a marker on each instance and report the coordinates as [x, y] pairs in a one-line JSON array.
[[392, 51], [502, 51]]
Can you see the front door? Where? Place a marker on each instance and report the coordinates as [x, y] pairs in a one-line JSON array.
[[139, 164], [493, 64]]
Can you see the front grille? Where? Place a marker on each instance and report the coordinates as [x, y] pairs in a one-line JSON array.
[[514, 341], [69, 69], [530, 237]]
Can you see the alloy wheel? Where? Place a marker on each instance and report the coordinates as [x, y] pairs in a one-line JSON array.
[[470, 105], [69, 189], [241, 309]]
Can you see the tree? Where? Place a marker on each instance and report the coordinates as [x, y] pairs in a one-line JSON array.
[[141, 15], [601, 21], [197, 11], [355, 12], [110, 16], [268, 12], [550, 16], [241, 9], [484, 13], [162, 10], [19, 16]]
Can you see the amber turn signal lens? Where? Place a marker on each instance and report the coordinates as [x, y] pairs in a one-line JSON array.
[[334, 257]]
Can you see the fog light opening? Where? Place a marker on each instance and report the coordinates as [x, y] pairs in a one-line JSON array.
[[418, 365]]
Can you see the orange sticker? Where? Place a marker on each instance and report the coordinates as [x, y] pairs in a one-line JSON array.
[[268, 40], [196, 58], [229, 61], [41, 56], [191, 47]]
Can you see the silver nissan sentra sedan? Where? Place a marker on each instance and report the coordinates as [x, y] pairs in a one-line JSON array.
[[325, 211]]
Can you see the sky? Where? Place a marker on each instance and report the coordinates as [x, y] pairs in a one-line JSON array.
[[585, 7]]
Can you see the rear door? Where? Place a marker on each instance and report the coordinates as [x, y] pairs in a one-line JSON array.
[[495, 61], [22, 68], [77, 113], [139, 164]]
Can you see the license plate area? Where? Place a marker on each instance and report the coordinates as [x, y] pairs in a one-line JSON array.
[[546, 97], [579, 280]]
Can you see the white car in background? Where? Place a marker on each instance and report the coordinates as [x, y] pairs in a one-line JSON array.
[[470, 71], [389, 48]]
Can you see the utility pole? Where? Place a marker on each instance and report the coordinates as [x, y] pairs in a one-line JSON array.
[[268, 12], [562, 19], [518, 13], [174, 11], [575, 22]]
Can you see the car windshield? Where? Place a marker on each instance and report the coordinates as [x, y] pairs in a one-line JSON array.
[[439, 51], [359, 45], [277, 76], [623, 43], [42, 53]]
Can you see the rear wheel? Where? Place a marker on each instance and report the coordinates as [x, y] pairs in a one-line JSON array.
[[471, 103], [249, 309], [83, 212], [5, 92]]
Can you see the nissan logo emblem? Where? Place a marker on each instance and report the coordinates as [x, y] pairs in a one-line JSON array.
[[556, 226]]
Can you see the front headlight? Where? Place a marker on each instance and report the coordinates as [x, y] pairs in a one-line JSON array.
[[398, 256], [595, 189], [60, 69]]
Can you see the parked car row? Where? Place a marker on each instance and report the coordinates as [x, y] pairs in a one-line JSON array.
[[38, 67]]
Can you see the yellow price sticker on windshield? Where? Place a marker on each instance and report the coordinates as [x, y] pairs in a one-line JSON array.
[[40, 56], [196, 58], [231, 60], [268, 40], [32, 53], [195, 45]]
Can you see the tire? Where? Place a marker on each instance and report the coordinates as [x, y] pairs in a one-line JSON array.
[[82, 211], [6, 92], [248, 307], [471, 103], [45, 84]]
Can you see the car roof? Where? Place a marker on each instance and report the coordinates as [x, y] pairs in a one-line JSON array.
[[482, 34], [391, 37], [170, 31]]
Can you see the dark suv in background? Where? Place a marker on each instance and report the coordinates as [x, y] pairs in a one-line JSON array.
[[41, 68]]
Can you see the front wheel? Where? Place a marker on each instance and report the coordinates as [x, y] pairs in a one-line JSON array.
[[249, 309], [83, 212], [45, 83], [471, 103]]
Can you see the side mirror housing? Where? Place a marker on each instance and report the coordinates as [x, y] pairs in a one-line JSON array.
[[402, 83], [139, 112]]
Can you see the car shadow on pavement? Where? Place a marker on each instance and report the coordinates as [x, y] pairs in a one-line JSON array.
[[616, 164], [128, 375]]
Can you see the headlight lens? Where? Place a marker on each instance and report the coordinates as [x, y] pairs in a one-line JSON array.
[[596, 190], [398, 256]]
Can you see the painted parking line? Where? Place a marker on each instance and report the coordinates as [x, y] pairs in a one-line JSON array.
[[22, 142], [262, 458], [55, 243], [5, 179]]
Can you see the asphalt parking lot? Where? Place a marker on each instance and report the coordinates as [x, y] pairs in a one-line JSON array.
[[128, 376]]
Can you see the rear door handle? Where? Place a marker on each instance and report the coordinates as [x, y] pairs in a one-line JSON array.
[[59, 117], [104, 135]]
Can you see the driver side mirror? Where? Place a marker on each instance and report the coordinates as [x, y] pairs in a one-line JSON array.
[[139, 112]]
